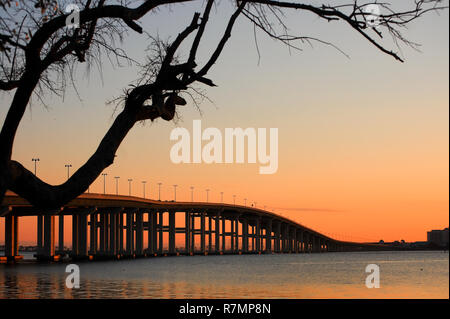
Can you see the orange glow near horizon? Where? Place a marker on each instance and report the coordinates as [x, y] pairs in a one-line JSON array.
[[363, 142]]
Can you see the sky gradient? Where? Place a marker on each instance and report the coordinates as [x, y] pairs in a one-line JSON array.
[[363, 142]]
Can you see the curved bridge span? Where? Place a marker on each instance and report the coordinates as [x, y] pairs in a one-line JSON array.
[[114, 226]]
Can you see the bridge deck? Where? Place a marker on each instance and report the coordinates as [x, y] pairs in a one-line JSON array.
[[224, 228]]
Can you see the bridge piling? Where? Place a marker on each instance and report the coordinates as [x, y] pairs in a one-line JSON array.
[[269, 236], [202, 233], [209, 234], [40, 232], [93, 234], [245, 235], [82, 232], [172, 232], [111, 227], [217, 233], [61, 234], [258, 235], [139, 230], [129, 233], [112, 232], [161, 232], [11, 237], [154, 234], [187, 230], [48, 251]]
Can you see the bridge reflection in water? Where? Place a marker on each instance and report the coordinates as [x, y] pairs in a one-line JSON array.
[[113, 227]]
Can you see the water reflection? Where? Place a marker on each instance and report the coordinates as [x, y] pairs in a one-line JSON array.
[[332, 275]]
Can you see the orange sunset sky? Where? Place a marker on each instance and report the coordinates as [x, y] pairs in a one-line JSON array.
[[363, 142]]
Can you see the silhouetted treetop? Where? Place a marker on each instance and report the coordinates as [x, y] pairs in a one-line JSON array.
[[39, 48]]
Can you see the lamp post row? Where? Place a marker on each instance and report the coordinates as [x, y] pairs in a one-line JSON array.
[[68, 166]]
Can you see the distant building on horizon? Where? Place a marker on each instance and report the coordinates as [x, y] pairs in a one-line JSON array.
[[438, 237]]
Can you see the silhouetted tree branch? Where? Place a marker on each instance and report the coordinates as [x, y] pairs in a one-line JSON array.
[[35, 45]]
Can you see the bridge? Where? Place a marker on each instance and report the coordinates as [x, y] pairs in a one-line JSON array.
[[114, 226]]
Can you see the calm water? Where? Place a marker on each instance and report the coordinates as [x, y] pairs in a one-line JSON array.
[[328, 275]]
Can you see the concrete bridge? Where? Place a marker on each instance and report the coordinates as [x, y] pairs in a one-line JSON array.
[[113, 227]]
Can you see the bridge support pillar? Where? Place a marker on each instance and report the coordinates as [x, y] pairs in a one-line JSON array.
[[290, 244], [161, 232], [113, 234], [305, 242], [48, 250], [193, 230], [187, 232], [40, 232], [232, 235], [209, 233], [107, 222], [139, 233], [301, 241], [150, 247], [82, 235], [277, 234], [315, 244], [236, 234], [154, 234], [75, 229], [253, 229], [129, 233], [171, 232], [308, 243], [61, 234], [258, 235], [295, 241], [102, 233], [283, 239], [245, 235], [93, 234], [217, 233], [11, 236], [269, 236], [223, 234], [202, 232], [120, 230]]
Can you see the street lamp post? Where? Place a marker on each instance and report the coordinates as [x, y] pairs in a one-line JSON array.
[[159, 190], [104, 182], [245, 201], [35, 160], [175, 193], [221, 197], [207, 195], [68, 169], [129, 186], [117, 184], [192, 193], [143, 184], [234, 199]]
